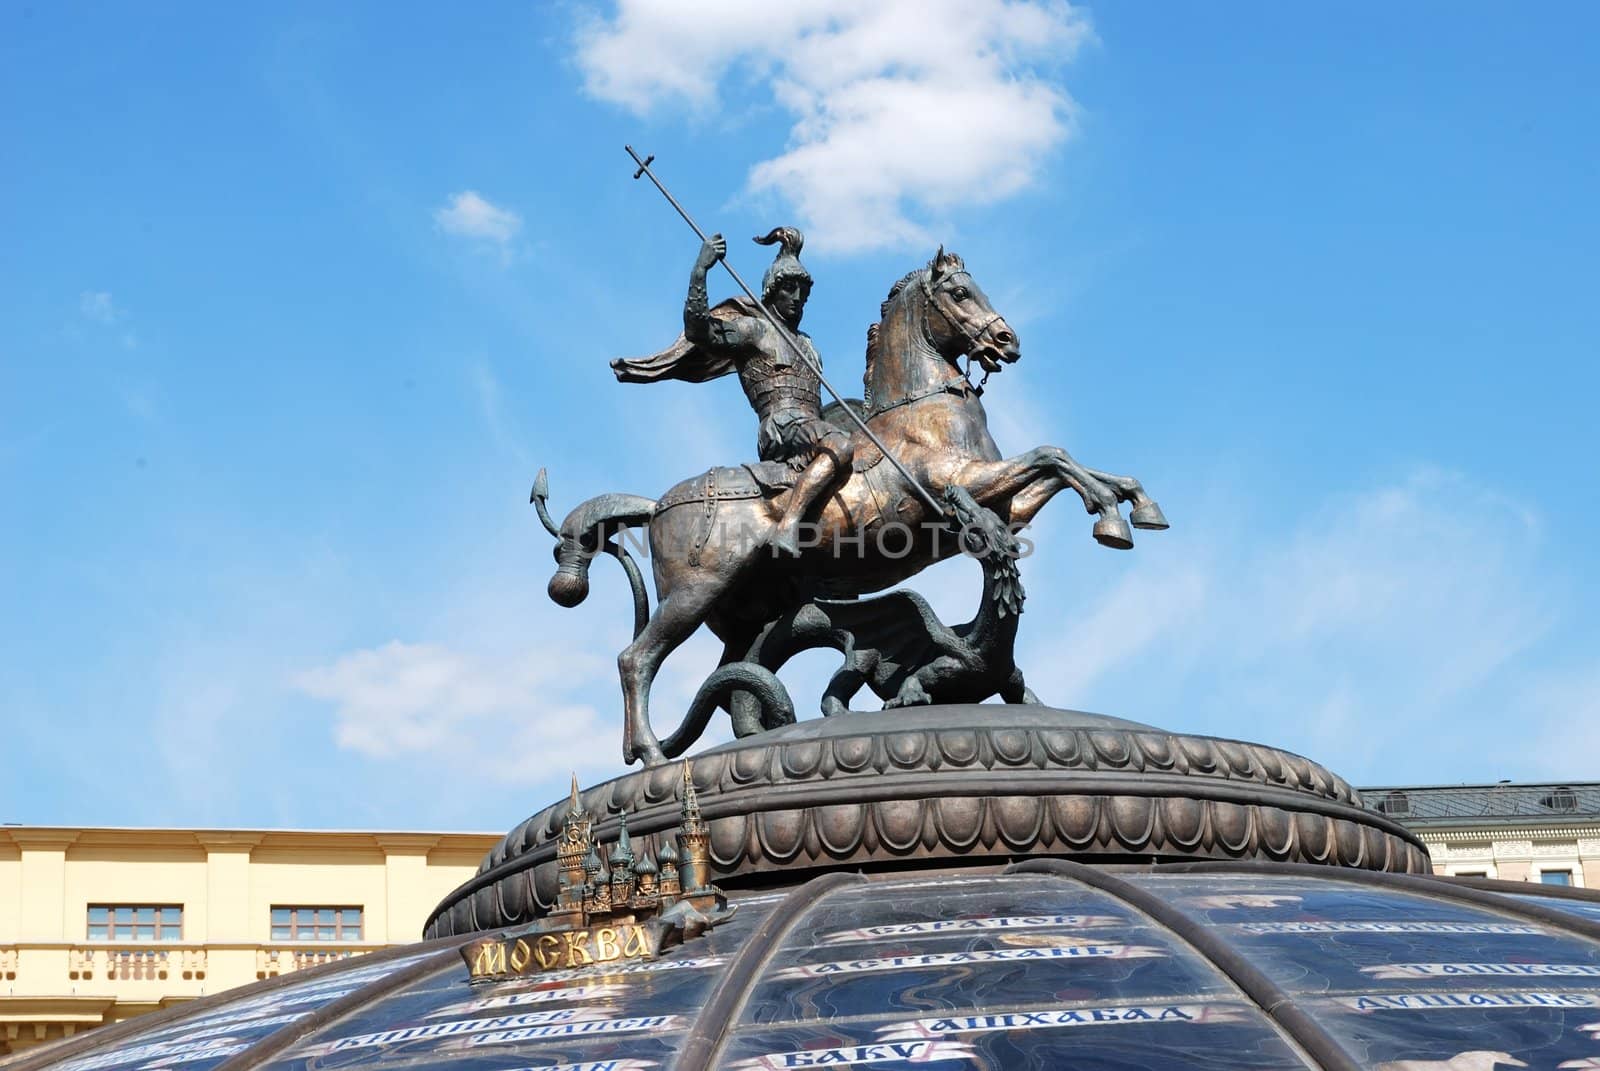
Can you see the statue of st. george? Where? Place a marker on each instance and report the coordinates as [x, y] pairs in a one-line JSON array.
[[783, 386]]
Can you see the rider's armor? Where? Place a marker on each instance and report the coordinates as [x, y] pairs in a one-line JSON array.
[[786, 394]]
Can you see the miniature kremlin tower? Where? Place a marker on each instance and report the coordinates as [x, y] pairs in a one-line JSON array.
[[667, 856], [589, 891], [694, 839], [622, 876], [573, 850]]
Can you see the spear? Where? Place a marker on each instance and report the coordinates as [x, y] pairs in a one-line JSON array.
[[788, 338]]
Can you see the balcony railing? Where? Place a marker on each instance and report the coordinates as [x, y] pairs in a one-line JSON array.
[[136, 963], [150, 970], [274, 960]]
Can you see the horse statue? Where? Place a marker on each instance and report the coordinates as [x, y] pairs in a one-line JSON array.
[[893, 644], [709, 535]]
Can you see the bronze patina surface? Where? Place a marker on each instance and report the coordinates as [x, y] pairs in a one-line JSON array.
[[639, 905], [842, 501], [938, 785]]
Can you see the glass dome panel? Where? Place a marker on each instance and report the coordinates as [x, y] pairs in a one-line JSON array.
[[965, 969]]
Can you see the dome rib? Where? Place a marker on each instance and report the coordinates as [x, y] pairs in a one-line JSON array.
[[107, 1037], [275, 1043], [1275, 1003], [703, 1044]]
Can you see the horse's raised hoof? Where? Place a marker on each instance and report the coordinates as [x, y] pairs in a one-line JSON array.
[[1112, 531], [1149, 516]]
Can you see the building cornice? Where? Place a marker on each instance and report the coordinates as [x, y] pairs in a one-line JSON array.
[[1485, 836], [407, 843], [58, 1008], [228, 840], [41, 839], [45, 838]]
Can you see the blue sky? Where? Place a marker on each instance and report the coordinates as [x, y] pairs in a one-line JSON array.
[[295, 302]]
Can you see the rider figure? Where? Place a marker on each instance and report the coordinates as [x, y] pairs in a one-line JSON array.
[[784, 387]]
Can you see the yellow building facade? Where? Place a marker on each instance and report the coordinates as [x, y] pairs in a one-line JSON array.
[[1546, 833], [97, 925]]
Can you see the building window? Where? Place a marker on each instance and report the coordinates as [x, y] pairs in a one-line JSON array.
[[1555, 877], [316, 924], [1471, 874], [1562, 799], [135, 922], [1395, 803]]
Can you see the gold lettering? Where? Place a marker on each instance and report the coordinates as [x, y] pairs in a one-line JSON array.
[[635, 942], [491, 959], [577, 946], [564, 948]]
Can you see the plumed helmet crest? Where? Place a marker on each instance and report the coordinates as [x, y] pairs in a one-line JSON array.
[[786, 265]]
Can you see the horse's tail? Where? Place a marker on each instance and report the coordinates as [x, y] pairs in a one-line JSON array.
[[584, 534]]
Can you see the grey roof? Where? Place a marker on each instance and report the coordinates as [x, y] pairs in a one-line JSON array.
[[1500, 804]]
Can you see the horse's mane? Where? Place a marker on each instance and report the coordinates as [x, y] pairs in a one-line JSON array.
[[883, 313], [894, 292]]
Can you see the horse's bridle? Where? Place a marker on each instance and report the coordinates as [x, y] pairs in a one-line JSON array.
[[960, 382], [956, 384], [960, 328]]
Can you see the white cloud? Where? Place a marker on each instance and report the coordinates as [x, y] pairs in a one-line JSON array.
[[97, 305], [898, 110], [491, 404], [509, 719], [469, 215], [1146, 609], [1389, 634], [515, 717], [1383, 631], [1558, 718]]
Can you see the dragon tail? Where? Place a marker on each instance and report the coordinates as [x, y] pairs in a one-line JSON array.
[[584, 534]]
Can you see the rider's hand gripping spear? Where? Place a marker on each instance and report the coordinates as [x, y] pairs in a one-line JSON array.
[[933, 503]]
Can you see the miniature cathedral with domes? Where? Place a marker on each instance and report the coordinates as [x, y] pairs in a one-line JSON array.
[[595, 887]]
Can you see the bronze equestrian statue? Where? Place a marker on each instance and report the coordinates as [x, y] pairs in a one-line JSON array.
[[717, 540]]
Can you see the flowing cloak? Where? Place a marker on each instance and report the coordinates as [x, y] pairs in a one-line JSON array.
[[684, 359]]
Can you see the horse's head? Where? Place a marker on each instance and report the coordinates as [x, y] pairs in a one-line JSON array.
[[960, 320], [935, 312]]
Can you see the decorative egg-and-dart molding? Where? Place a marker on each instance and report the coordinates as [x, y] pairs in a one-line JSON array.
[[958, 783]]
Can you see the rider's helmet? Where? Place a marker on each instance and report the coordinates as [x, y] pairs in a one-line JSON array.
[[786, 265]]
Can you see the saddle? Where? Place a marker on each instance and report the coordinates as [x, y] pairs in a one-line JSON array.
[[757, 479]]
